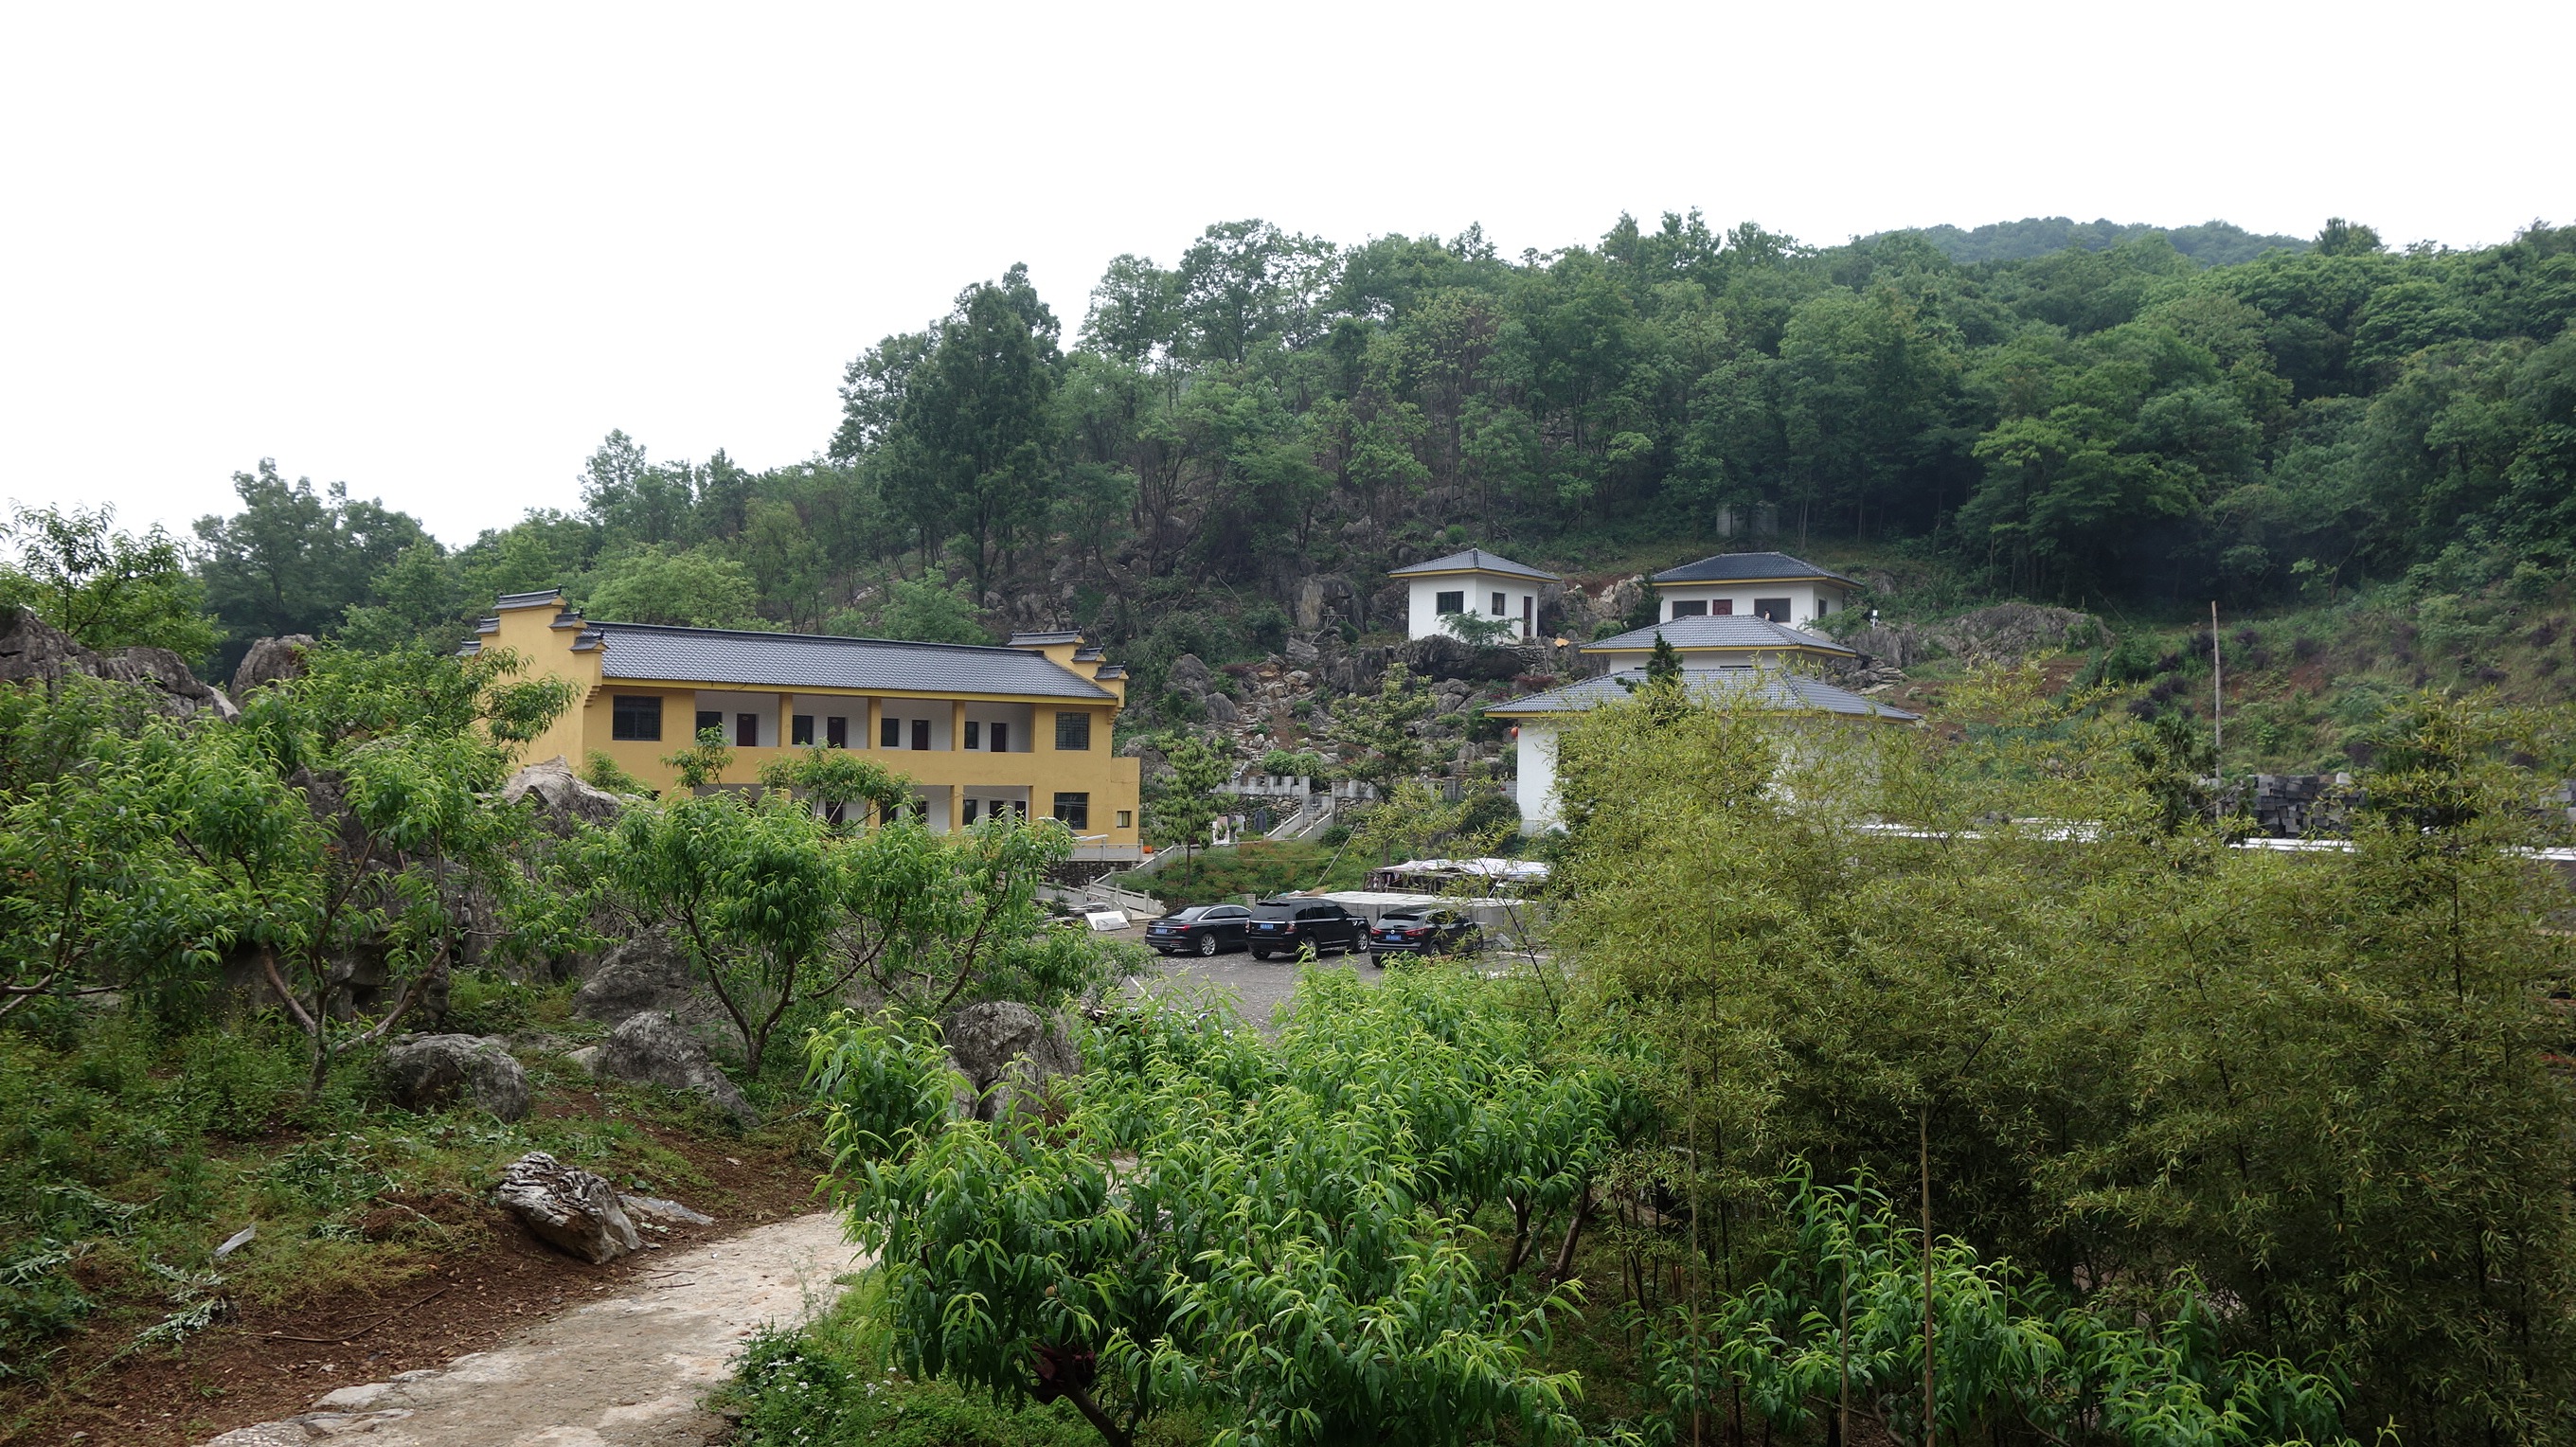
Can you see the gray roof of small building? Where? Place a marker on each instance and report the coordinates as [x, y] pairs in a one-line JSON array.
[[1747, 568], [647, 652], [1746, 631], [1480, 561], [1765, 690], [528, 600]]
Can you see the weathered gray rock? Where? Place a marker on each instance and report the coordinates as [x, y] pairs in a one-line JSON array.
[[2006, 633], [425, 1072], [659, 1208], [1187, 674], [562, 797], [654, 1049], [1008, 1053], [271, 660], [1222, 710], [33, 650], [647, 972], [587, 1058], [568, 1208]]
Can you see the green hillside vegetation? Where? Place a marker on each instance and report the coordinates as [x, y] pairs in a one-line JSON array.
[[2212, 243], [2122, 428]]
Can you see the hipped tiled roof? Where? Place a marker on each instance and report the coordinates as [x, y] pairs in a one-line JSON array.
[[1747, 568], [1480, 561], [645, 652], [1746, 631], [1763, 690]]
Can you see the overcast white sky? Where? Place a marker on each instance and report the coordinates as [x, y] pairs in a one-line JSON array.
[[438, 251]]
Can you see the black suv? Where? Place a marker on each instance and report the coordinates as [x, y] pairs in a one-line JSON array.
[[1281, 926], [1423, 932], [1202, 929]]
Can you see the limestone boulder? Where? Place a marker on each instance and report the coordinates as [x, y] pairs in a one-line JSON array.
[[33, 650], [568, 1208], [646, 972], [271, 660], [1009, 1054], [427, 1072], [561, 797], [652, 1048]]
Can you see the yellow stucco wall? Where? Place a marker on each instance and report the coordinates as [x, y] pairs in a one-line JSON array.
[[1042, 769]]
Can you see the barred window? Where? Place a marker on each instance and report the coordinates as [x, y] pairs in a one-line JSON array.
[[1073, 730], [1449, 602], [633, 716], [1073, 810]]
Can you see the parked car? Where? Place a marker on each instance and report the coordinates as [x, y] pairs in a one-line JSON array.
[[1283, 926], [1423, 932], [1202, 929]]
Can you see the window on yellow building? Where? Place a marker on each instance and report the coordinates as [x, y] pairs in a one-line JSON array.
[[801, 729], [1073, 730], [633, 716], [1126, 818], [1073, 811]]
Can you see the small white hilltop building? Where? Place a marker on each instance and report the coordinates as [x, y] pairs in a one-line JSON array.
[[1773, 586], [1729, 620], [1477, 582]]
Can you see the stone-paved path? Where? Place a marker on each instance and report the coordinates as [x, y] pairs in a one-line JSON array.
[[627, 1371]]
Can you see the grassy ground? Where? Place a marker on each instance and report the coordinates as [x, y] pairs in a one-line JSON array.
[[2306, 688], [1257, 868], [131, 1149]]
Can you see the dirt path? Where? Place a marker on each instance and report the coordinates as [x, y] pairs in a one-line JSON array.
[[625, 1371]]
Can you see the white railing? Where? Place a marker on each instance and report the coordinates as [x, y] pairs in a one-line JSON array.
[[1139, 906]]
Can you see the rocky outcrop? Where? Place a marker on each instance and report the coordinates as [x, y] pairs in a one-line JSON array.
[[655, 1049], [568, 1208], [33, 650], [426, 1072], [1008, 1054], [647, 972], [271, 660], [561, 797], [2006, 633]]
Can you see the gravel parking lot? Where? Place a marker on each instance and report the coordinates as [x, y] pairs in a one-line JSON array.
[[1259, 987]]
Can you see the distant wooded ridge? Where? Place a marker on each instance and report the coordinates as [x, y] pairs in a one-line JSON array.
[[2211, 243]]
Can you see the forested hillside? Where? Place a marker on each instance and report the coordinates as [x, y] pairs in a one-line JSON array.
[[2213, 243], [1272, 417]]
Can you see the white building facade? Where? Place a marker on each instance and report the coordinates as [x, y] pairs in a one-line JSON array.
[[1774, 586], [1486, 585], [1795, 699]]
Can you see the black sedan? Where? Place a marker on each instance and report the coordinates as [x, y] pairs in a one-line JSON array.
[[1423, 932], [1199, 930]]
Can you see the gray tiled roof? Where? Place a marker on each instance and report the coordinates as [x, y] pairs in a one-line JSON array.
[[1766, 690], [643, 651], [1746, 568], [1481, 561], [1746, 631], [528, 600]]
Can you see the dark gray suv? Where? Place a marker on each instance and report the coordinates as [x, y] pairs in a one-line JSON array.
[[1283, 926]]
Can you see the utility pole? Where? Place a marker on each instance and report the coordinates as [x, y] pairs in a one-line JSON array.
[[2217, 697]]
